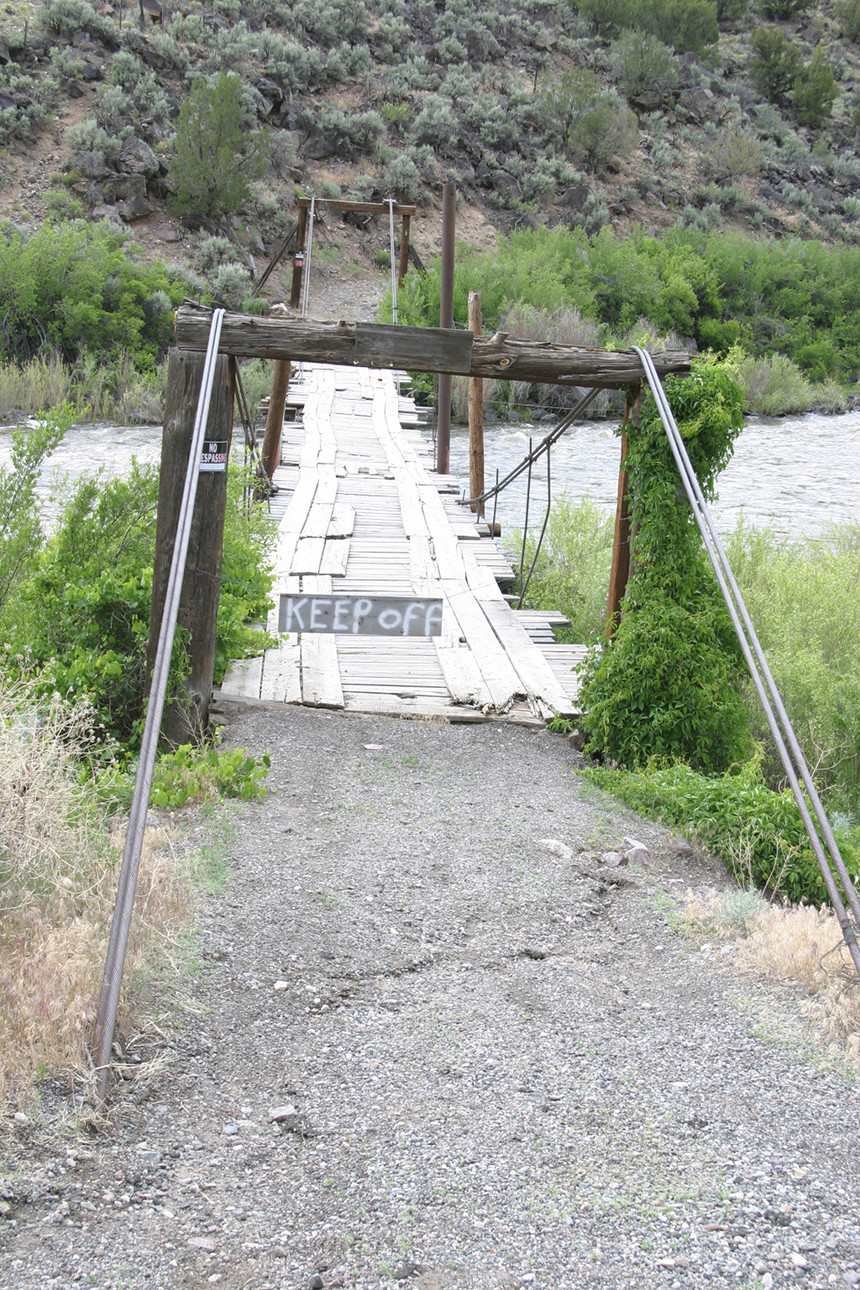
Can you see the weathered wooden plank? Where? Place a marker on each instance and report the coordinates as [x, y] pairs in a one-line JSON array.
[[335, 557], [342, 521], [282, 679], [535, 673], [308, 555], [321, 687], [243, 677], [362, 208], [498, 356]]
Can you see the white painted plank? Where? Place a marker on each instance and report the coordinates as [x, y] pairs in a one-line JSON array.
[[281, 680]]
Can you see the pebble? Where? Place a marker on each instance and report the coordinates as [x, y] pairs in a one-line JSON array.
[[204, 1243], [612, 859], [279, 1113]]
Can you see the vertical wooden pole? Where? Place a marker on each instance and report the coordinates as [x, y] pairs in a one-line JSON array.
[[299, 257], [185, 720], [446, 319], [476, 413], [403, 265], [270, 452], [620, 571]]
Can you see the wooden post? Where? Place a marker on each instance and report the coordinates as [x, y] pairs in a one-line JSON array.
[[476, 413], [270, 453], [185, 722], [446, 320], [299, 257], [620, 571], [403, 265]]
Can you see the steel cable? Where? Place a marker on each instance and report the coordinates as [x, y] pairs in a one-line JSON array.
[[118, 942]]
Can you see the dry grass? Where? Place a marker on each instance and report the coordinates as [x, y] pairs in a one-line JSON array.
[[58, 872], [795, 945]]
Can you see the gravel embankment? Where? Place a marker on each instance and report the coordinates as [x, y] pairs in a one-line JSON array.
[[494, 1064]]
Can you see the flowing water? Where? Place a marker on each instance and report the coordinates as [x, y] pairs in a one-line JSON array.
[[795, 474]]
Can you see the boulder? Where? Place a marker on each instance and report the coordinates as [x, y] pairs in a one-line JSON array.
[[137, 158], [575, 197], [135, 208], [697, 103]]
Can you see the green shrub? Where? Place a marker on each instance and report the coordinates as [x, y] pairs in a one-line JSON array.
[[848, 17], [72, 288], [403, 180], [776, 64], [734, 154], [815, 91], [782, 10], [589, 119], [756, 831], [668, 682], [200, 774], [351, 133], [20, 527], [68, 17], [643, 63], [772, 386]]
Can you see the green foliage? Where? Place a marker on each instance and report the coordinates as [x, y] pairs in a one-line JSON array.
[[215, 158], [815, 91], [776, 63], [772, 386], [667, 683], [848, 17], [590, 120], [683, 24], [572, 571], [82, 615], [803, 600], [200, 774], [68, 17], [20, 528], [642, 63], [73, 288], [756, 831], [782, 10]]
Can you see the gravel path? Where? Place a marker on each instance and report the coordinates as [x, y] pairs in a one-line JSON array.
[[491, 1063]]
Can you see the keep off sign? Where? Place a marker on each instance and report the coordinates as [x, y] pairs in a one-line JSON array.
[[361, 615]]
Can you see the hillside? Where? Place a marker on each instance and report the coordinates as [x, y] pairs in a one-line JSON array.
[[540, 114]]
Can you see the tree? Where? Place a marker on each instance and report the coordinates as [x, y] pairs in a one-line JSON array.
[[815, 91], [215, 157], [777, 63]]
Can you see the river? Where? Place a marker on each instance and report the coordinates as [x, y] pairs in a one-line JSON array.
[[795, 474]]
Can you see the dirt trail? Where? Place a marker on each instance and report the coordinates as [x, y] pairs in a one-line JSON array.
[[432, 1038]]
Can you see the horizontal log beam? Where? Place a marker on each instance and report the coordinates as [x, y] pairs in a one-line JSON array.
[[422, 349], [361, 208]]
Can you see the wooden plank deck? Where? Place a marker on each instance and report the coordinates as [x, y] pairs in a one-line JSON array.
[[360, 510]]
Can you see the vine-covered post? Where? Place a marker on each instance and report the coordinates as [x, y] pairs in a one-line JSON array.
[[476, 413], [198, 607], [620, 571]]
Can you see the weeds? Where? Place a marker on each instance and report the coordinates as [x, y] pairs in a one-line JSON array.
[[796, 945], [58, 869]]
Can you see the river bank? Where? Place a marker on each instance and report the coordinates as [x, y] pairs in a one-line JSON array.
[[429, 1036]]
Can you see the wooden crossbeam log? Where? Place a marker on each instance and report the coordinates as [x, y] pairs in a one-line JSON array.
[[422, 349]]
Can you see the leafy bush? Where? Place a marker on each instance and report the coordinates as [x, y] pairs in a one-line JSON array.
[[643, 63], [72, 288], [20, 528], [683, 24], [82, 614], [403, 180], [756, 831], [589, 119], [734, 154], [351, 133], [772, 386], [667, 683], [205, 774]]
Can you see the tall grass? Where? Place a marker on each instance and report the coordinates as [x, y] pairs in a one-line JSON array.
[[58, 871], [803, 601], [572, 570], [115, 392]]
